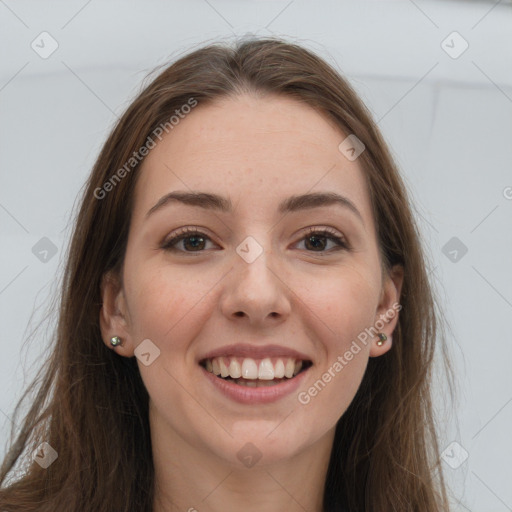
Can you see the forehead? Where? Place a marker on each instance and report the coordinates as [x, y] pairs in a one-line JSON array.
[[255, 150]]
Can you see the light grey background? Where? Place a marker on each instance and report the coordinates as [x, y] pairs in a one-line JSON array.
[[448, 121]]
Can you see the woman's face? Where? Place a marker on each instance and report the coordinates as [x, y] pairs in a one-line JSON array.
[[260, 281]]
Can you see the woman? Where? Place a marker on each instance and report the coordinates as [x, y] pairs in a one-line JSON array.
[[246, 320]]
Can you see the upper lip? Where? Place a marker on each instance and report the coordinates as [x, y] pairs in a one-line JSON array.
[[255, 352]]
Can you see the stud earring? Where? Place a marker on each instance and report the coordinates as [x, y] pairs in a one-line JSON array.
[[115, 341], [382, 339]]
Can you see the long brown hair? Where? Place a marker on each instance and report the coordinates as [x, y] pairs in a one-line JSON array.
[[91, 405]]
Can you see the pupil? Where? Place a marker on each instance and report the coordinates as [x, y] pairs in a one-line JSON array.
[[316, 244], [197, 244]]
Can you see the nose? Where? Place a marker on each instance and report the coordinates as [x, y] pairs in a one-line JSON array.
[[255, 293]]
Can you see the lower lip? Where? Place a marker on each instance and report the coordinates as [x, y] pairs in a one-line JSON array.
[[261, 395]]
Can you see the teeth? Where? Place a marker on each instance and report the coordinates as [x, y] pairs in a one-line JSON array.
[[215, 366], [224, 372], [235, 370], [249, 369], [266, 370], [289, 368], [279, 369]]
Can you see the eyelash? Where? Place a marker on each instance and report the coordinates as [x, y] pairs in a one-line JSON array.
[[170, 243]]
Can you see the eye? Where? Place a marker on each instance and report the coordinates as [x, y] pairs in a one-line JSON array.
[[317, 240], [186, 240]]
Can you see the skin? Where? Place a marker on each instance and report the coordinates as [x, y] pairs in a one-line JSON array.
[[257, 152]]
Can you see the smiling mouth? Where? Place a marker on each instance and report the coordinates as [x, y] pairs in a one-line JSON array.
[[250, 372]]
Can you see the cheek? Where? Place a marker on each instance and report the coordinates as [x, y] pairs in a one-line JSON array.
[[164, 305], [170, 308], [345, 301], [341, 309]]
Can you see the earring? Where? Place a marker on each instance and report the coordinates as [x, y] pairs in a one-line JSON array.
[[115, 341], [382, 339]]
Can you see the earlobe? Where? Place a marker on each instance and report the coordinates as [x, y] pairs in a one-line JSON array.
[[386, 318], [113, 319]]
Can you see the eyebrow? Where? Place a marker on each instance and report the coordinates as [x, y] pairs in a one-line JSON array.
[[296, 203]]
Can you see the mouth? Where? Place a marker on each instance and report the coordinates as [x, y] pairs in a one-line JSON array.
[[250, 372]]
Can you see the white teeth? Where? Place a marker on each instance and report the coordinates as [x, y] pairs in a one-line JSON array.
[[250, 370], [224, 372], [289, 368], [266, 370], [235, 370], [279, 369], [215, 366]]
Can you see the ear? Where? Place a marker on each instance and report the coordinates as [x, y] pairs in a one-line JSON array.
[[386, 317], [114, 318]]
